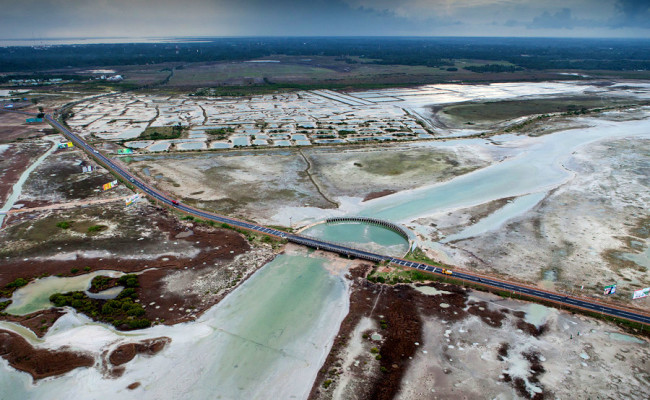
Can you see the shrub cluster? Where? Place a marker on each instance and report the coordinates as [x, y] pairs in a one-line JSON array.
[[120, 312]]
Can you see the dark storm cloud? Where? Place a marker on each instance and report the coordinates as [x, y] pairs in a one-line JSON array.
[[628, 14], [562, 19], [92, 18], [203, 17], [633, 13]]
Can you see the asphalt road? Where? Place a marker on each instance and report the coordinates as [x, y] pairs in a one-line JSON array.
[[568, 301]]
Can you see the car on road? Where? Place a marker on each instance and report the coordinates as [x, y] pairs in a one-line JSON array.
[[446, 271], [174, 202]]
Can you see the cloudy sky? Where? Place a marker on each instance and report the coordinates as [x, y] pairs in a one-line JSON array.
[[155, 18]]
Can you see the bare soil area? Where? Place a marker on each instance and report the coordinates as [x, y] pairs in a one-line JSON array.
[[14, 128], [39, 363], [60, 179], [489, 115], [15, 158], [441, 341], [184, 267], [576, 238], [364, 172], [245, 184]]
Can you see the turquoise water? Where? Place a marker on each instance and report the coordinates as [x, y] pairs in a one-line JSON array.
[[36, 295], [265, 321], [365, 236], [266, 340], [495, 220], [537, 168], [626, 338]]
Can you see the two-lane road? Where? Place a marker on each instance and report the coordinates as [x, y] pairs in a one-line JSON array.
[[568, 301]]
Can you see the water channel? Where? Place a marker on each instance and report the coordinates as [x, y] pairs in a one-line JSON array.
[[36, 295], [535, 167], [361, 235], [18, 186], [267, 339]]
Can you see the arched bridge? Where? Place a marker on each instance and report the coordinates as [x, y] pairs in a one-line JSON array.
[[407, 235]]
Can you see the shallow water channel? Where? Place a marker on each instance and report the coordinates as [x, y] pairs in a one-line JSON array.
[[536, 166], [18, 186], [267, 339]]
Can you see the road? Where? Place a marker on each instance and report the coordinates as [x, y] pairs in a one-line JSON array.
[[529, 291]]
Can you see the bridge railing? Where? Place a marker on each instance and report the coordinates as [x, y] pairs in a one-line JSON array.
[[387, 224], [329, 245]]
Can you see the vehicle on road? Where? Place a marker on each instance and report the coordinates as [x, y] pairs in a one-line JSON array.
[[643, 318]]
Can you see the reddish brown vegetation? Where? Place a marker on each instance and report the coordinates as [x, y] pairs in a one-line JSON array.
[[39, 322], [39, 363], [376, 195], [397, 310], [126, 352]]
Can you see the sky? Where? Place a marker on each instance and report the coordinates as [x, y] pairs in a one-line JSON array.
[[47, 19]]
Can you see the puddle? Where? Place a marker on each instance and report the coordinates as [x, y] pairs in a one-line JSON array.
[[36, 295], [641, 259], [537, 314], [429, 290], [106, 294], [550, 275], [626, 338]]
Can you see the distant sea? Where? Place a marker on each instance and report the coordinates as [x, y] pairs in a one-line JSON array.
[[113, 40]]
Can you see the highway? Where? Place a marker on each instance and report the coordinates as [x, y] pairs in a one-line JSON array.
[[529, 291]]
